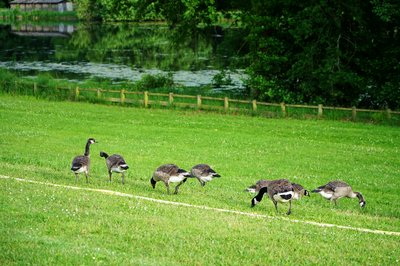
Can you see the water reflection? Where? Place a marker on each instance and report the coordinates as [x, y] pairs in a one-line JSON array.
[[124, 52]]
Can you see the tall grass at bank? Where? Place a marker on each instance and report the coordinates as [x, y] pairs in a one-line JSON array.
[[45, 86], [16, 15], [46, 225]]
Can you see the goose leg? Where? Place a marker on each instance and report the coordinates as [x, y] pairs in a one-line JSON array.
[[276, 205], [290, 208], [167, 185], [87, 177], [201, 182], [76, 178], [109, 174], [123, 178], [177, 187]]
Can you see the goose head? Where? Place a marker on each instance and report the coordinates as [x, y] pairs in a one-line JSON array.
[[153, 183]]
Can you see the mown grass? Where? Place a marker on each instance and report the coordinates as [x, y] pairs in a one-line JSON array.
[[50, 225]]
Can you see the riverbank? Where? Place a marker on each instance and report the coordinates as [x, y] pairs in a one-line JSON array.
[[14, 16], [159, 92]]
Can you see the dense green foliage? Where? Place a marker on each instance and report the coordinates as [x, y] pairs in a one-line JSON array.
[[325, 52], [55, 225], [4, 3], [329, 52]]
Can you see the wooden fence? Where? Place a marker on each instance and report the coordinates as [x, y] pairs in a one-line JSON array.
[[147, 99]]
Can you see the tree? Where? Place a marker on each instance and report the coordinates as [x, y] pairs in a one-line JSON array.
[[330, 52]]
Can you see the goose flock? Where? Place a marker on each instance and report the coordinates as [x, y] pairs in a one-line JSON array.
[[279, 191]]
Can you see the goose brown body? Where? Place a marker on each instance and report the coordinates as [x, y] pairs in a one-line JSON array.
[[204, 173], [115, 163], [169, 173], [81, 163], [298, 189], [337, 189], [280, 190]]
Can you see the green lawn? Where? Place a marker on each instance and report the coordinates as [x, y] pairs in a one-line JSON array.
[[42, 224]]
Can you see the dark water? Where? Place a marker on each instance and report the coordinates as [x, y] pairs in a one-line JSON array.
[[126, 52]]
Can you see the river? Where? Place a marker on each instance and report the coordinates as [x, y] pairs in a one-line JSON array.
[[117, 52]]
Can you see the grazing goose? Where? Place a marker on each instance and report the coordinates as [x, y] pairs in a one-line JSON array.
[[115, 163], [280, 190], [298, 189], [169, 173], [204, 173], [81, 163], [335, 190]]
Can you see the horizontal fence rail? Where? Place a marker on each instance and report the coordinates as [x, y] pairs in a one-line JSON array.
[[148, 99]]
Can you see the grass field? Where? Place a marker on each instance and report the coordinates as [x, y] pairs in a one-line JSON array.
[[45, 224]]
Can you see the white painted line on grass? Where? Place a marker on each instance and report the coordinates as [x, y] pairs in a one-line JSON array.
[[120, 194]]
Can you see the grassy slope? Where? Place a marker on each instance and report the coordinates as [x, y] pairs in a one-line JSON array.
[[52, 225]]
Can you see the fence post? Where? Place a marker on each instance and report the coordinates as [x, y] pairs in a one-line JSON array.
[[388, 114], [98, 93], [254, 103], [76, 92], [283, 108], [34, 89], [353, 113], [226, 104], [320, 110], [146, 99], [171, 98], [198, 101], [122, 96]]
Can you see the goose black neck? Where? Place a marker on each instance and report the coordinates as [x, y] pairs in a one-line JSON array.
[[359, 196], [261, 193], [87, 148]]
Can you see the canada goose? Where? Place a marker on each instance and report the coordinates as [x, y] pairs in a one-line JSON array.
[[115, 163], [335, 190], [298, 189], [81, 163], [169, 173], [204, 173], [280, 190]]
